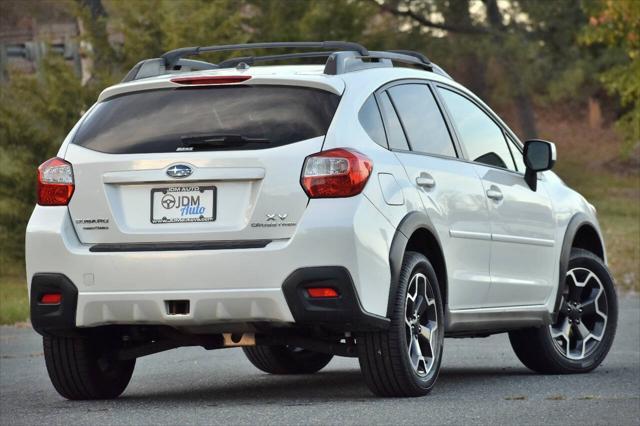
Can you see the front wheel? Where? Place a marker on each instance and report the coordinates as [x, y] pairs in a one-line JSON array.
[[404, 360], [583, 333]]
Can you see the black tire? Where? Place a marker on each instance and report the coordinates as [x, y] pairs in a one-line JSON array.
[[78, 370], [286, 360], [541, 352], [384, 356]]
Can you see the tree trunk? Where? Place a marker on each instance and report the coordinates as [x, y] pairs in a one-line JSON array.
[[521, 96], [472, 68], [97, 54], [526, 116], [86, 59], [595, 113]]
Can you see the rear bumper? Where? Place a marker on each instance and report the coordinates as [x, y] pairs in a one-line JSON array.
[[221, 285], [342, 313]]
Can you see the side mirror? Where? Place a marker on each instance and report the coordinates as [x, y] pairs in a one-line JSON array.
[[538, 156]]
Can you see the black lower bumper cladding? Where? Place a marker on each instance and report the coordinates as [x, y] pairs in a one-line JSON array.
[[53, 319], [343, 312]]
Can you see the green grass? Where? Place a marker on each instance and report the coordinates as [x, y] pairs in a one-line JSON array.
[[617, 199], [14, 304]]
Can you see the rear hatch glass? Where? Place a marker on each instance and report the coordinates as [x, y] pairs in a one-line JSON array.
[[207, 118]]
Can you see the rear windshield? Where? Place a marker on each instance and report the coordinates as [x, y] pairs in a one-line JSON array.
[[184, 119]]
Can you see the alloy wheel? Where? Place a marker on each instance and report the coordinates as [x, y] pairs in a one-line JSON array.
[[582, 318], [421, 325]]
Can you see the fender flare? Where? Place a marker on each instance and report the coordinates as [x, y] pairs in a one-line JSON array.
[[576, 222], [407, 226]]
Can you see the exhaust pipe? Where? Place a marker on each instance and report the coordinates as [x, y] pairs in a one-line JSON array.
[[238, 339]]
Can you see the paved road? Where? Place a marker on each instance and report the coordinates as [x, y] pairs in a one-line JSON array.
[[481, 382]]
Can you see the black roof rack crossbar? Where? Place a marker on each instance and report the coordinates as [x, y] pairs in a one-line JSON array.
[[250, 60], [172, 57]]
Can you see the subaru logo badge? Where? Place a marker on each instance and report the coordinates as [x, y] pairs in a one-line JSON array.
[[179, 171]]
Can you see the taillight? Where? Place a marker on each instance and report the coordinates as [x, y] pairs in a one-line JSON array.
[[211, 79], [55, 182], [335, 173]]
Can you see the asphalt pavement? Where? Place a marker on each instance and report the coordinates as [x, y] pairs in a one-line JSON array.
[[482, 382]]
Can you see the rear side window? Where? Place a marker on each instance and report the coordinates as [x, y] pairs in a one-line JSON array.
[[422, 119], [481, 136], [239, 117], [397, 139], [371, 121]]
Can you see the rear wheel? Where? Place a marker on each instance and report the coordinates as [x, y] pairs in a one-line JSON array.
[[583, 333], [286, 359], [404, 360], [78, 369]]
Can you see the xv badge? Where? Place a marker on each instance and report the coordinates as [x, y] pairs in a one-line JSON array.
[[272, 216]]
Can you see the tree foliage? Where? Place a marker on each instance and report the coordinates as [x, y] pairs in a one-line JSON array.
[[616, 25], [36, 112]]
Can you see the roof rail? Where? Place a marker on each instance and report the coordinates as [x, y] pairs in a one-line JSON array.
[[342, 57], [417, 55], [172, 57]]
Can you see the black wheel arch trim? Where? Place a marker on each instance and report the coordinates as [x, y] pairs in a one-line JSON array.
[[575, 224], [411, 223]]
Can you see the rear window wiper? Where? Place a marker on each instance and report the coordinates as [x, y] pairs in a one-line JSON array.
[[216, 140]]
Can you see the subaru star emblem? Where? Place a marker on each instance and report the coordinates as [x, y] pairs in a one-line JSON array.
[[179, 171]]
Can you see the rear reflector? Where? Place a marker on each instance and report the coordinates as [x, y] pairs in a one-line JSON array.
[[335, 173], [211, 79], [322, 292], [55, 182], [51, 299]]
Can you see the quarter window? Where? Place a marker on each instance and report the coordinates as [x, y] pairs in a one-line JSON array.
[[395, 134], [422, 120], [481, 136], [371, 121]]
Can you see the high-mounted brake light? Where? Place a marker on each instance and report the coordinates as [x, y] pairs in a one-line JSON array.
[[55, 182], [211, 79], [335, 173]]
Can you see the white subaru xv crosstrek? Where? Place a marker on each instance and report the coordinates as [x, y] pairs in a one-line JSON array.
[[354, 208]]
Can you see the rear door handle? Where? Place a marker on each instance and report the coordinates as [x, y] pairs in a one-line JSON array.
[[425, 181], [494, 193]]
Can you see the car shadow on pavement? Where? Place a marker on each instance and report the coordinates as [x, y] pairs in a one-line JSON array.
[[329, 386], [304, 389]]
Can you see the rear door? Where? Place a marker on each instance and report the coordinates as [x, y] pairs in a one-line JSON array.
[[196, 164], [523, 257], [451, 192]]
